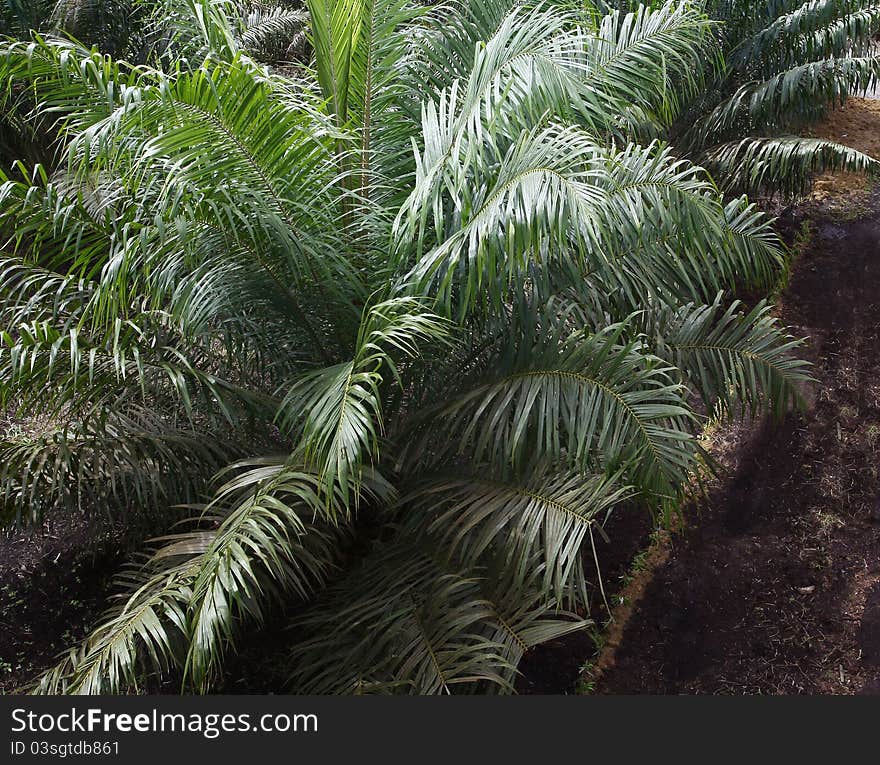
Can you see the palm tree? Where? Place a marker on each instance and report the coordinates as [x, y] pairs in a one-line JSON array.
[[119, 26], [418, 320], [271, 31], [786, 62]]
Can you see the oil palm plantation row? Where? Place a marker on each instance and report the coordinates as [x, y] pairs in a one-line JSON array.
[[786, 63], [140, 29], [393, 333]]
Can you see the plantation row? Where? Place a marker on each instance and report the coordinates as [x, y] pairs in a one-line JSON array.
[[366, 314]]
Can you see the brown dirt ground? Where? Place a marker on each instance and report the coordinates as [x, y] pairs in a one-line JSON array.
[[54, 582], [854, 125], [774, 585]]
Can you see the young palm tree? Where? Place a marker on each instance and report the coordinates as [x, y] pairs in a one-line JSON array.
[[119, 26], [786, 63], [433, 309]]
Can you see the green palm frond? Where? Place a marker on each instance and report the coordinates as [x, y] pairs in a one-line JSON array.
[[19, 17], [794, 95], [40, 215], [339, 409], [591, 399], [635, 52], [811, 30], [403, 623], [337, 26], [541, 184], [281, 536], [734, 358], [118, 27], [198, 29], [139, 464], [785, 164], [786, 65], [541, 523], [556, 190], [266, 532], [150, 623], [384, 112], [274, 34], [590, 69], [54, 368]]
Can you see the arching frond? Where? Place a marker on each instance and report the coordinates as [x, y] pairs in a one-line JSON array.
[[150, 623], [274, 34], [734, 359], [193, 595], [794, 95], [786, 65], [339, 409], [786, 164], [538, 524], [404, 624], [590, 399], [811, 30], [120, 465], [269, 540]]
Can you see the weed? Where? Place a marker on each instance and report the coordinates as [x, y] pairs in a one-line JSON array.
[[586, 683]]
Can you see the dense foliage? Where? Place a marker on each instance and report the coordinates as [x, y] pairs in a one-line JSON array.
[[786, 62], [415, 317]]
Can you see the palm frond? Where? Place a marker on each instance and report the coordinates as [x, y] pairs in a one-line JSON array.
[[262, 535], [337, 26], [814, 29], [122, 466], [274, 34], [590, 399], [793, 96], [339, 408], [786, 164], [150, 623], [734, 359], [405, 624], [539, 524]]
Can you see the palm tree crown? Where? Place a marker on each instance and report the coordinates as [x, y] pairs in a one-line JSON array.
[[415, 318]]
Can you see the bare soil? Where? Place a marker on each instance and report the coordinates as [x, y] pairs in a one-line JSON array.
[[54, 583], [854, 125]]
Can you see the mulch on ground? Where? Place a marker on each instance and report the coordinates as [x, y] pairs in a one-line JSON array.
[[774, 585]]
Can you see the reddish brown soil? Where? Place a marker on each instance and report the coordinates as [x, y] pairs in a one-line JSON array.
[[854, 125], [774, 586]]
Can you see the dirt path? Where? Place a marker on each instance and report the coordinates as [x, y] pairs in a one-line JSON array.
[[774, 587]]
